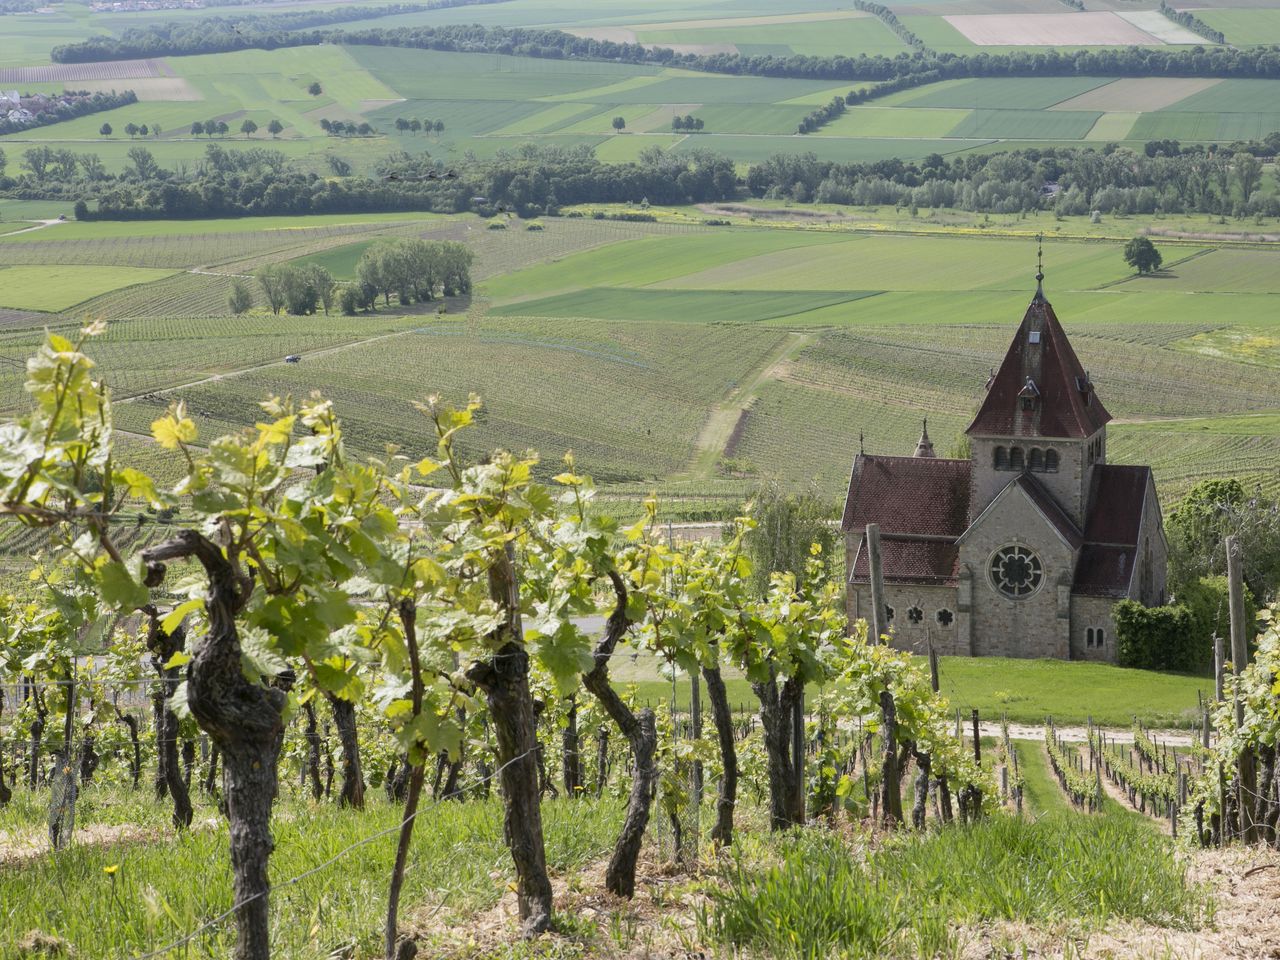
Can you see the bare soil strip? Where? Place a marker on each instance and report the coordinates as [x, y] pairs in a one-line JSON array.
[[1141, 94], [1050, 30]]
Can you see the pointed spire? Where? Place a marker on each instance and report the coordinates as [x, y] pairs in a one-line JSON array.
[[924, 447], [861, 446]]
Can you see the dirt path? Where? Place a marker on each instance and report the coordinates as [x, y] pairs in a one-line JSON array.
[[39, 225], [719, 426]]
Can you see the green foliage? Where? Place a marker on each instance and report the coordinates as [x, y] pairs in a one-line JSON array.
[[1201, 521], [239, 300], [299, 289], [1141, 254], [416, 269], [1207, 601], [786, 526], [1156, 638]]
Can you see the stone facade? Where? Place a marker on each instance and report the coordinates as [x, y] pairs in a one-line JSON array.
[[1024, 549]]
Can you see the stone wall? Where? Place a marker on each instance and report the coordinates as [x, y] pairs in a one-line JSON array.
[[1093, 613], [1069, 484], [1038, 625], [948, 639]]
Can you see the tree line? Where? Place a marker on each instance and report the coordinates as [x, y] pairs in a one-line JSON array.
[[213, 35], [1067, 180], [529, 181], [1185, 18]]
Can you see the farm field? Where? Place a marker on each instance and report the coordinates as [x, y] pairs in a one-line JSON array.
[[57, 287]]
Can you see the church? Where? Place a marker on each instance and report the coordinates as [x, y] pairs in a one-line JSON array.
[[1023, 548]]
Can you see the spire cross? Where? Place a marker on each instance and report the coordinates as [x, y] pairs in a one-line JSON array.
[[1039, 257]]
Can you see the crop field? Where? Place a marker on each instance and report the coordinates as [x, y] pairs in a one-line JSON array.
[[1244, 26], [694, 306], [54, 287], [1052, 29], [844, 36]]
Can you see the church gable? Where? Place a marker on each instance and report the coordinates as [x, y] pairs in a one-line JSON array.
[[1024, 510]]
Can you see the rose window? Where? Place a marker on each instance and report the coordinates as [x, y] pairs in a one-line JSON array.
[[1016, 572]]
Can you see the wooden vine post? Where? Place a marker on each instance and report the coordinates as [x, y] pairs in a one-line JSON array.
[[879, 609], [1246, 774]]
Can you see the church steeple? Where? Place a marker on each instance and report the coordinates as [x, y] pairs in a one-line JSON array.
[[1041, 389], [924, 447]]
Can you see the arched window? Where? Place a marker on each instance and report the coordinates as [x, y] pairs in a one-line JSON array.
[[1001, 458], [1098, 637], [1015, 458], [915, 615], [888, 614], [1036, 461], [945, 617], [1088, 637], [1051, 461]]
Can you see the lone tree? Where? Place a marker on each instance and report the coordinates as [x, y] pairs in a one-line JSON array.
[[105, 130], [1141, 254], [248, 128], [315, 89], [131, 129], [197, 128], [619, 123], [239, 300], [275, 128]]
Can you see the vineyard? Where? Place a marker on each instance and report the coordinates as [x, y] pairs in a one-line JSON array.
[[443, 729]]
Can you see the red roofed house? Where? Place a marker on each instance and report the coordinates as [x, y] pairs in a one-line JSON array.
[[1023, 549]]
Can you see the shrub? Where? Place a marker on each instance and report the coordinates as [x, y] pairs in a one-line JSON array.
[[1155, 638], [239, 300]]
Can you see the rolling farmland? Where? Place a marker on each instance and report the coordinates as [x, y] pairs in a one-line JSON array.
[[621, 340]]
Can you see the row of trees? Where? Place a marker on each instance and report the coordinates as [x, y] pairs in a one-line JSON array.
[[414, 125], [435, 589], [298, 289], [347, 128], [686, 123], [213, 34], [248, 127], [414, 270]]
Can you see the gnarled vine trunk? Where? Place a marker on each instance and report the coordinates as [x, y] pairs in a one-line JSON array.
[[135, 761], [572, 751], [344, 719], [504, 679], [727, 793], [778, 710], [641, 731], [169, 779], [891, 771], [312, 771], [244, 720], [37, 732]]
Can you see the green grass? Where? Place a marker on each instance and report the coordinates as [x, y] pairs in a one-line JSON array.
[[1026, 691], [1244, 27], [907, 898], [1040, 791], [866, 121], [1021, 691], [691, 306], [1026, 124], [649, 260], [59, 286], [170, 885], [1232, 96]]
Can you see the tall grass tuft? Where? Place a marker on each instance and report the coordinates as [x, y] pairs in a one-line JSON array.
[[906, 899]]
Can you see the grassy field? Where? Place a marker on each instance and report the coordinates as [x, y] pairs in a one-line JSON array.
[[54, 287]]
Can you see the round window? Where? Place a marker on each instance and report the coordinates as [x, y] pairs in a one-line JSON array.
[[1016, 572]]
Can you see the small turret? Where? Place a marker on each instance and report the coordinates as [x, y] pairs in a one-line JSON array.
[[924, 447]]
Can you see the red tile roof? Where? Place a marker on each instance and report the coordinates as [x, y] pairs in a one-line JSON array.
[[1105, 567], [1067, 405], [1104, 570], [1115, 509], [925, 496], [932, 561]]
